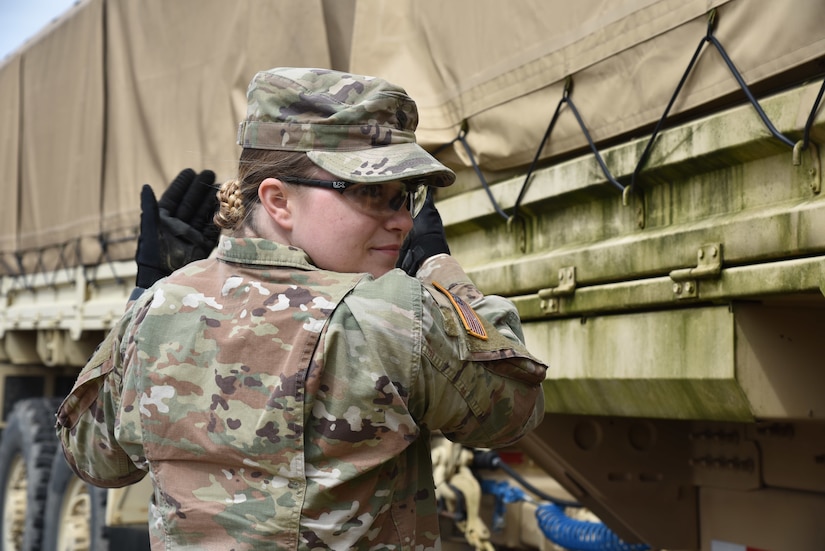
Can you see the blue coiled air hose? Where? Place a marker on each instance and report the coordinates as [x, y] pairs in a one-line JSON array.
[[579, 535], [572, 534]]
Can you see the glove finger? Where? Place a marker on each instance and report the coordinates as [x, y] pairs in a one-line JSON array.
[[200, 190], [149, 218], [211, 233], [405, 248], [172, 197], [430, 199], [428, 216], [203, 220], [205, 205], [426, 238]]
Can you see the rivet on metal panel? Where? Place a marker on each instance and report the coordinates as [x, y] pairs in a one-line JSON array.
[[685, 289], [550, 306]]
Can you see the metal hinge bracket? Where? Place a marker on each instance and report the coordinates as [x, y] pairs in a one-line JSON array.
[[709, 265], [567, 286]]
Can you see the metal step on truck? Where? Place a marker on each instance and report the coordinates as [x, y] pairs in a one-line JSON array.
[[643, 178]]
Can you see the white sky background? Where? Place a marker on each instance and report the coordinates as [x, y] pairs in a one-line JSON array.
[[22, 19]]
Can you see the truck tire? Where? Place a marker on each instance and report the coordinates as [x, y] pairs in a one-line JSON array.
[[75, 512], [27, 452]]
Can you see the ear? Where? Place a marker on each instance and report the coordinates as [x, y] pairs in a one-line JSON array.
[[274, 196]]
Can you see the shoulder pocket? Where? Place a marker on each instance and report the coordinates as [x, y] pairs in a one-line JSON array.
[[88, 384], [481, 342]]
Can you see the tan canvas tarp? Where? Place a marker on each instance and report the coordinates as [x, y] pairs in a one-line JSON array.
[[502, 65], [9, 151], [61, 139], [121, 93], [177, 74]]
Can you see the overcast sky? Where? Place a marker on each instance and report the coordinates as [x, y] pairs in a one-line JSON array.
[[22, 19]]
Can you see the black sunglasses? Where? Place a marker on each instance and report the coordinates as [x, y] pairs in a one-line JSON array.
[[367, 200], [337, 185]]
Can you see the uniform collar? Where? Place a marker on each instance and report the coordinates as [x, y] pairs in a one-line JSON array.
[[263, 252]]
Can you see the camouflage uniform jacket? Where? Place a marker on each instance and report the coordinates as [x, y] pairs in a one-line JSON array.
[[279, 406]]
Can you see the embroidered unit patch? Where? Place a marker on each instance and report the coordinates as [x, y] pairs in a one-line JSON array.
[[472, 324]]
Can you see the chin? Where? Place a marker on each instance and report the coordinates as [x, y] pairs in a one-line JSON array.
[[378, 272]]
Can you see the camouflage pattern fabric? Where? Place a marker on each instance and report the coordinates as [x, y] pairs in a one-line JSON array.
[[359, 128], [279, 406]]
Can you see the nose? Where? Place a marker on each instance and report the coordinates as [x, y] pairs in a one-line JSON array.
[[400, 219]]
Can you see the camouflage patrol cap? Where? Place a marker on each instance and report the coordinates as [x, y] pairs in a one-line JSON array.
[[358, 128]]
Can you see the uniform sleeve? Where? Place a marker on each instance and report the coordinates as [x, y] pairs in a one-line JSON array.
[[87, 418], [481, 386]]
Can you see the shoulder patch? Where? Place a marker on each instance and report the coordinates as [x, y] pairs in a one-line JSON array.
[[470, 320]]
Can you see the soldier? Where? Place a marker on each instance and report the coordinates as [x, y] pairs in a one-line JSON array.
[[282, 394]]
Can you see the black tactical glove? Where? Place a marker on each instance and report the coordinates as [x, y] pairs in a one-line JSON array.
[[426, 238], [179, 228]]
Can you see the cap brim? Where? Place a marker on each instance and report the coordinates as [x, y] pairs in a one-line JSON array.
[[377, 165]]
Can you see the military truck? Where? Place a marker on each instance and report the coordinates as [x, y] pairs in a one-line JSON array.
[[641, 177]]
